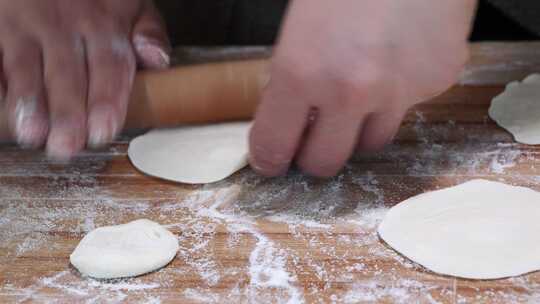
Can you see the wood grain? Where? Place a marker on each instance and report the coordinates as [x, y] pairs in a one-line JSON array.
[[315, 238]]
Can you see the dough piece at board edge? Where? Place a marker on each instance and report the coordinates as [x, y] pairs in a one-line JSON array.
[[192, 154], [477, 230], [127, 250], [517, 109]]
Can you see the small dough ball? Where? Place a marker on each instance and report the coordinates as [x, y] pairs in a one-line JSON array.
[[192, 155], [125, 250], [517, 110], [477, 230]]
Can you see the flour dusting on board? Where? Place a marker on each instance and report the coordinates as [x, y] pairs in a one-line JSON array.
[[292, 239], [472, 155], [316, 221]]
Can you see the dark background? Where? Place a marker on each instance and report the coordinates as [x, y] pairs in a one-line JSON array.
[[492, 24], [256, 22]]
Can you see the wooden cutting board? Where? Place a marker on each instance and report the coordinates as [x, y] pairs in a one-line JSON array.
[[254, 240]]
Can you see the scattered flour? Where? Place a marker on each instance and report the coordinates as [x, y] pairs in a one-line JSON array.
[[332, 223], [267, 263], [469, 157], [92, 290]]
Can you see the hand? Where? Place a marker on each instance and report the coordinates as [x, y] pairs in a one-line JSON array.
[[68, 67], [345, 72]]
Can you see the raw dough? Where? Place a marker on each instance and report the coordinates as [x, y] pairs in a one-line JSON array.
[[125, 250], [193, 155], [477, 230], [517, 109]]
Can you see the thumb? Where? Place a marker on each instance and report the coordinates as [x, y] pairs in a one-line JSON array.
[[150, 40]]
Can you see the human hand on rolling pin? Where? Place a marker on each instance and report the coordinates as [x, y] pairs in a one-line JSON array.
[[345, 72], [68, 67]]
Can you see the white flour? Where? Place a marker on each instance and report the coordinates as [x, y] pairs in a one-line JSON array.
[[332, 224]]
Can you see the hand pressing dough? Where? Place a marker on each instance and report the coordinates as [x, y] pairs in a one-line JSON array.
[[192, 155], [125, 250], [477, 230], [517, 109]]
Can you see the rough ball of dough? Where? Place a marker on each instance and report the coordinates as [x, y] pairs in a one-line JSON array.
[[126, 250]]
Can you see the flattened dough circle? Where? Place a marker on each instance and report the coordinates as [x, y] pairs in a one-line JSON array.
[[477, 230], [126, 250], [517, 109], [192, 155]]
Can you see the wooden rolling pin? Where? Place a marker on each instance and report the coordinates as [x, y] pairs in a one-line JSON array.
[[192, 94], [197, 94]]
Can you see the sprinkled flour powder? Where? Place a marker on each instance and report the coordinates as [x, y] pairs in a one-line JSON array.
[[252, 240]]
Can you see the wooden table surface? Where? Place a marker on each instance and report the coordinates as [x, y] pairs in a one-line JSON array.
[[255, 240]]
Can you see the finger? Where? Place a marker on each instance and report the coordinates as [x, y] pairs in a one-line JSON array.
[[25, 99], [111, 66], [329, 143], [278, 128], [379, 130], [66, 83], [150, 40], [2, 79]]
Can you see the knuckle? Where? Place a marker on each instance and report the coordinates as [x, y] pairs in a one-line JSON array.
[[96, 22], [109, 40], [64, 50], [291, 75], [67, 77], [359, 81], [112, 74], [117, 55], [113, 48], [344, 85], [354, 84], [22, 54]]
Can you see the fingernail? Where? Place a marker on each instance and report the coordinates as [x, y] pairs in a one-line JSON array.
[[102, 130], [60, 147], [268, 169], [31, 133], [152, 52], [29, 129]]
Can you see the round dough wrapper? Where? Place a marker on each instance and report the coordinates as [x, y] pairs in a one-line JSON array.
[[477, 230], [517, 109], [192, 155], [126, 250]]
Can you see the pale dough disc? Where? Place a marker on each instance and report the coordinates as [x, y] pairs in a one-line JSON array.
[[517, 109], [192, 155], [477, 230], [125, 250]]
